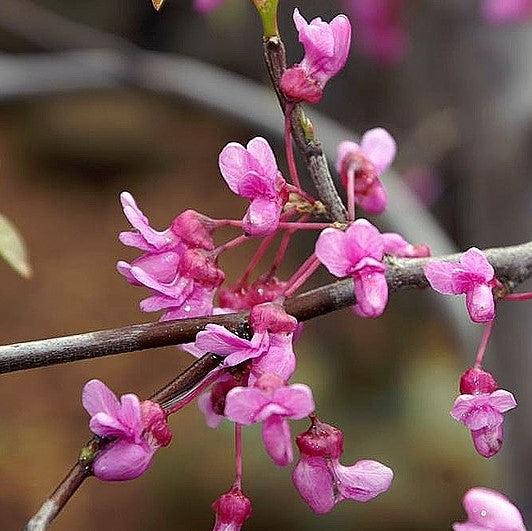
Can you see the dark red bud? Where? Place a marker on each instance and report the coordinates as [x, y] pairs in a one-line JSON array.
[[476, 381], [201, 267], [297, 86], [271, 317], [194, 229], [321, 440], [233, 507]]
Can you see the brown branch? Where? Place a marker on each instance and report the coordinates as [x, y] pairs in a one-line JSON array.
[[512, 265], [304, 134], [182, 385]]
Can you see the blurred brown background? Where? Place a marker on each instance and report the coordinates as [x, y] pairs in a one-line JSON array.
[[459, 105]]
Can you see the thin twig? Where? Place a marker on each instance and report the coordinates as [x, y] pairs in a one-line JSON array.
[[513, 265]]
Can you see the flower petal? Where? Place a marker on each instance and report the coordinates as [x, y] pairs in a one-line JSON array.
[[242, 404], [440, 276], [379, 147], [262, 217], [331, 252], [502, 400], [371, 292], [296, 399], [260, 149], [212, 418], [277, 440], [475, 261], [481, 304], [122, 461], [362, 481], [488, 441], [314, 483], [98, 398]]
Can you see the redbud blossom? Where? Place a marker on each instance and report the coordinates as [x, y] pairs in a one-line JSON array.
[[232, 509], [326, 49], [488, 509], [252, 172], [480, 408], [322, 481], [502, 11], [473, 276], [205, 6], [271, 402], [396, 245], [357, 252], [369, 160], [264, 289], [138, 430], [379, 28]]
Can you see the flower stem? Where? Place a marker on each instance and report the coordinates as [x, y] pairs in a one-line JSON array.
[[351, 194], [282, 225], [283, 247], [289, 146], [519, 296], [238, 456], [306, 270], [488, 329], [231, 244]]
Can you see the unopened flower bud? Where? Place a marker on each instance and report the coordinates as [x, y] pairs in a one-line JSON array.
[[475, 381], [201, 267], [271, 317], [194, 229], [298, 86], [232, 509], [155, 423], [321, 440]]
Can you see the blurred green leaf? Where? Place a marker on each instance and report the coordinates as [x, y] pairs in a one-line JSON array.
[[13, 248]]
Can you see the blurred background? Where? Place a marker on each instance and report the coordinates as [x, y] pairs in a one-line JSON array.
[[95, 98]]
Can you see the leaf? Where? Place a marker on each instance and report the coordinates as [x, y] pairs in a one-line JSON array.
[[13, 248], [157, 4]]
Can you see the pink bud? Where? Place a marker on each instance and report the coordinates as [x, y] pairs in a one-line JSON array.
[[200, 266], [155, 423], [232, 509], [194, 229], [321, 440], [475, 381], [298, 86], [271, 317]]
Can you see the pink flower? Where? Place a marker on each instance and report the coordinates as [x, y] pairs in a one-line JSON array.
[[368, 160], [137, 429], [322, 481], [252, 172], [205, 6], [502, 11], [473, 276], [480, 408], [218, 340], [489, 509], [396, 245], [264, 289], [326, 49], [357, 252], [379, 28], [272, 403], [232, 509]]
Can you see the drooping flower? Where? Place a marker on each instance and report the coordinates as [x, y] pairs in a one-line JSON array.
[[326, 49], [137, 428], [358, 253], [232, 509], [271, 402], [379, 28], [480, 408], [368, 160], [473, 276], [503, 11], [322, 481], [206, 6], [488, 509], [252, 172], [396, 245]]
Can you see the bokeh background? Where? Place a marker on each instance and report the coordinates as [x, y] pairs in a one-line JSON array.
[[458, 101]]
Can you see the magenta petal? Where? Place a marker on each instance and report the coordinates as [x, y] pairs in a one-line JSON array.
[[122, 461], [277, 440], [331, 252], [489, 509], [218, 340], [260, 149], [475, 261], [341, 30], [488, 441], [243, 404], [212, 418], [371, 292], [481, 304], [375, 200], [314, 483], [279, 358], [379, 147], [106, 425], [475, 412], [234, 163], [343, 152], [502, 400], [262, 217], [440, 276], [130, 414], [364, 241], [296, 399], [362, 481], [98, 398]]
